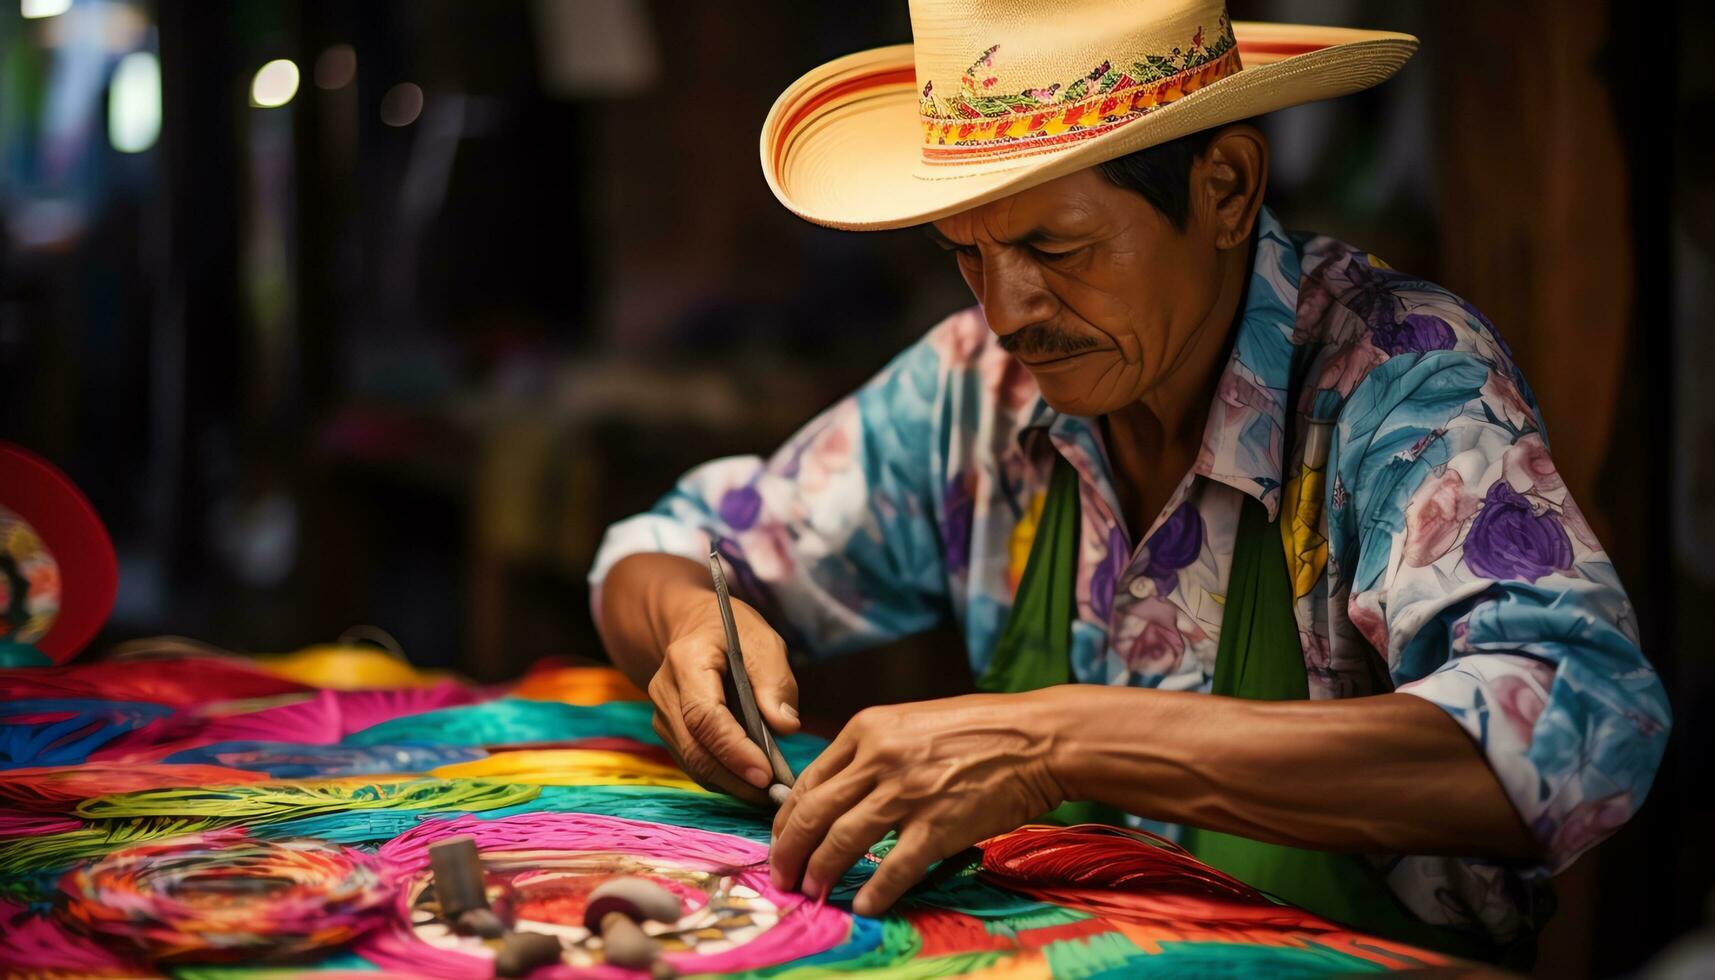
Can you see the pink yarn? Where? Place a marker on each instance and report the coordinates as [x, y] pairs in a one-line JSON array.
[[323, 719], [805, 928], [35, 942], [31, 824]]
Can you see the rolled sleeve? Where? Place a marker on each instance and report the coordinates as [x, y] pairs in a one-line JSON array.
[[1573, 723], [1481, 583]]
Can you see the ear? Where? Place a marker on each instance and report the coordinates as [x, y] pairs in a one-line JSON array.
[[1228, 181]]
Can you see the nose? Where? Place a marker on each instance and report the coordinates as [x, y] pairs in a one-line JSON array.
[[1013, 296]]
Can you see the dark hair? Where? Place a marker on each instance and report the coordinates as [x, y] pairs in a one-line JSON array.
[[1162, 173]]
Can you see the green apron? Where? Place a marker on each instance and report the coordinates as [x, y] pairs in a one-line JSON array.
[[1035, 648], [1259, 657]]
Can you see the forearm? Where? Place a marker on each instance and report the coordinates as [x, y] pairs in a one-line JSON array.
[[642, 597], [1390, 774]]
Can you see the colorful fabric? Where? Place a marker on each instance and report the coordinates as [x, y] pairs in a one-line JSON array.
[[221, 897], [980, 122], [139, 869], [1433, 547], [29, 582]]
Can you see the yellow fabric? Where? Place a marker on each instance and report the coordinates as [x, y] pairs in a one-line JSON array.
[[1027, 965], [569, 767], [1023, 536], [1306, 548], [349, 668]]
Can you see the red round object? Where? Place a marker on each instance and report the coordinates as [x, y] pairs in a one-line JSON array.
[[59, 513]]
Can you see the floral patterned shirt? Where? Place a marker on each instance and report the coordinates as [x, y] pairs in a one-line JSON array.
[[1433, 547]]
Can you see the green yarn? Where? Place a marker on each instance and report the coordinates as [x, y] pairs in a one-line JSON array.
[[1089, 956], [1044, 916], [353, 827], [124, 819], [964, 892], [712, 812], [517, 721], [717, 814], [514, 721], [256, 802], [53, 852], [982, 900]]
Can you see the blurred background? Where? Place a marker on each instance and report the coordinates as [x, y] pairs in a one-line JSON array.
[[379, 312]]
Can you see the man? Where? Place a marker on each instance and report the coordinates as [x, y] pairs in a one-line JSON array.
[[1174, 452]]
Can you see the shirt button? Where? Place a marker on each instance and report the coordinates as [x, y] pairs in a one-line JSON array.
[[1139, 587]]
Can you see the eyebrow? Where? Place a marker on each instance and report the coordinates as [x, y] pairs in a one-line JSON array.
[[1032, 237], [935, 236]]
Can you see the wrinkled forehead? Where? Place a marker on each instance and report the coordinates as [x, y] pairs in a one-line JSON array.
[[1080, 203]]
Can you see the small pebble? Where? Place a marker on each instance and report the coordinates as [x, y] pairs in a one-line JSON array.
[[481, 922], [521, 952]]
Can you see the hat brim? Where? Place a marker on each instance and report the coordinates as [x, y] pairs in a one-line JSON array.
[[842, 146]]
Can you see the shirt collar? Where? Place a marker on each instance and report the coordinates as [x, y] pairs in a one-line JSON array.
[[1243, 440]]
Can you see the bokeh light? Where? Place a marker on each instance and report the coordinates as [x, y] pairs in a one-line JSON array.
[[402, 104], [134, 103], [275, 84], [337, 67], [34, 9]]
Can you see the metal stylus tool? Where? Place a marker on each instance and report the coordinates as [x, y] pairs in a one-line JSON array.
[[741, 694]]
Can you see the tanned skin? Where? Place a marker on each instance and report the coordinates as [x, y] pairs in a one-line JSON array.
[[1119, 315]]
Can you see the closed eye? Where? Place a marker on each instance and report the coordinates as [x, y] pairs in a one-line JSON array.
[[1044, 255], [946, 244]]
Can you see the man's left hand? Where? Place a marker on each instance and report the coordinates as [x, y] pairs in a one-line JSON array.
[[944, 773]]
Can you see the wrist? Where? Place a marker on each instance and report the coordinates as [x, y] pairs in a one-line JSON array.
[[645, 599], [1054, 720], [1104, 738], [676, 606], [670, 590]]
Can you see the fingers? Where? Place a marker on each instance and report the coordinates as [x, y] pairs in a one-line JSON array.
[[903, 867], [693, 716], [802, 830], [686, 749], [770, 674], [697, 668], [831, 762], [699, 765], [848, 839]]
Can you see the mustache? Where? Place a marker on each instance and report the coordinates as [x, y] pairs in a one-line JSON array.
[[1040, 338]]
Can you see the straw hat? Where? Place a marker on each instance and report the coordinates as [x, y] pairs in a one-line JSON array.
[[996, 96]]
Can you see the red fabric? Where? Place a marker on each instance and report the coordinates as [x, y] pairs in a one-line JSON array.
[[947, 933], [176, 681]]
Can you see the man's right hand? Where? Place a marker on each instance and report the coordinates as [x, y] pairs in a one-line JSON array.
[[663, 609]]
